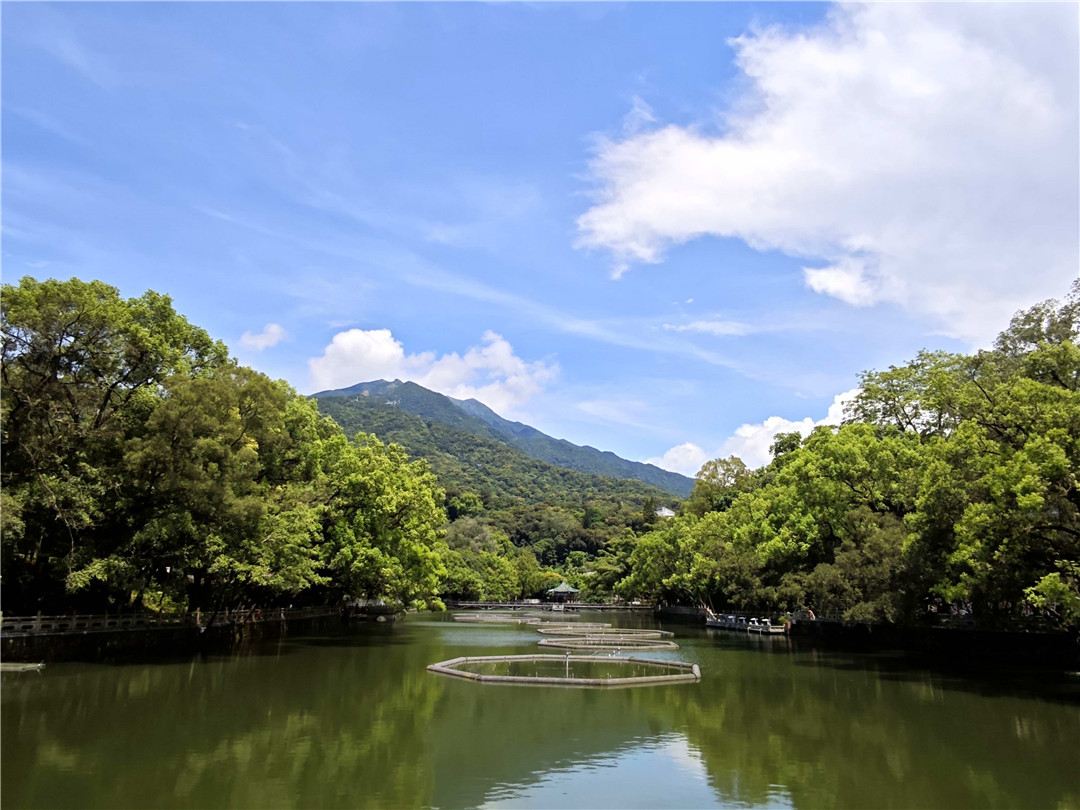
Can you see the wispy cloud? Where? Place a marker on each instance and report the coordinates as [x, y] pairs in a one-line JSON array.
[[263, 136], [56, 38], [372, 258], [719, 328], [46, 122], [628, 412]]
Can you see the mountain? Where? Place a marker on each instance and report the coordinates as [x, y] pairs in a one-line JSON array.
[[472, 417], [503, 476]]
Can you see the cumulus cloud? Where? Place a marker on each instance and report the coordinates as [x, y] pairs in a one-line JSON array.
[[915, 153], [491, 372], [750, 442], [271, 335], [685, 458]]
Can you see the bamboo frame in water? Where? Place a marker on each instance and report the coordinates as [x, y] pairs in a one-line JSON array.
[[691, 672], [496, 618], [612, 632], [608, 643]]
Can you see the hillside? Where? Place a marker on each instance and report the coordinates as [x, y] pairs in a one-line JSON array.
[[466, 461], [476, 418]]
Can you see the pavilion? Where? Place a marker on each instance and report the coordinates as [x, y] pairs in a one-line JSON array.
[[562, 592]]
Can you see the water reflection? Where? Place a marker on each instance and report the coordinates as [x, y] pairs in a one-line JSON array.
[[661, 772], [356, 721]]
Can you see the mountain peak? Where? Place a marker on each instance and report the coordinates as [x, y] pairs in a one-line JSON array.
[[475, 417]]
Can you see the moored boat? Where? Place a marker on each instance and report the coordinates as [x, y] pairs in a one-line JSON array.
[[764, 626]]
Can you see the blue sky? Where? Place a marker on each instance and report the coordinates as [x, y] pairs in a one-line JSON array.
[[666, 230]]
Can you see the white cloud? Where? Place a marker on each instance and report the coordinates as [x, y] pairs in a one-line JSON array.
[[632, 413], [640, 116], [845, 280], [271, 335], [751, 442], [55, 33], [719, 328], [920, 154], [491, 373], [684, 458]]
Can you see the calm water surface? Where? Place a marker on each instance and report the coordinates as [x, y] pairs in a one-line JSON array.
[[355, 720]]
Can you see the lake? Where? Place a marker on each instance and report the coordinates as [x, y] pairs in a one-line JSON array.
[[354, 719]]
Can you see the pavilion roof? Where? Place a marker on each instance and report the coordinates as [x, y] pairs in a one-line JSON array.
[[563, 588]]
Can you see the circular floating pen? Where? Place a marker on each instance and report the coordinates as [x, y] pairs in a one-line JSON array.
[[613, 632], [568, 670], [608, 643], [495, 618]]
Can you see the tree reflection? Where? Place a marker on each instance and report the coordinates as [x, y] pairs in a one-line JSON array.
[[829, 736], [334, 729]]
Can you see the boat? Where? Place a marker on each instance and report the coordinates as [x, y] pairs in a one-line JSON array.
[[724, 621], [764, 626]]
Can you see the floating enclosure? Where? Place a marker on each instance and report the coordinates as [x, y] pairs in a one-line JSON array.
[[495, 618], [609, 643], [614, 632], [568, 670], [576, 626]]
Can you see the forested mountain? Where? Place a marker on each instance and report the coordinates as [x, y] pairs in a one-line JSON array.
[[551, 509], [474, 417], [466, 461]]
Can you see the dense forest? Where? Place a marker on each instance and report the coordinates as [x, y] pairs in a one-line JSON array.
[[143, 468], [552, 509], [951, 486]]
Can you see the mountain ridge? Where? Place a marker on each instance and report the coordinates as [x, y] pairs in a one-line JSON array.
[[474, 417]]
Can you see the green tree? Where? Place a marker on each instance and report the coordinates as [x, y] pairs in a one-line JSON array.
[[82, 369], [718, 483], [385, 522]]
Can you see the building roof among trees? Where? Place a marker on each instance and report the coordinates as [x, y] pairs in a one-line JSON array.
[[563, 588]]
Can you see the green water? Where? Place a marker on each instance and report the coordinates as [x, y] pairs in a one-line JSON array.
[[355, 720]]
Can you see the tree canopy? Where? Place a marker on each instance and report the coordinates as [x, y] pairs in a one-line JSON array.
[[952, 484], [143, 467], [140, 460]]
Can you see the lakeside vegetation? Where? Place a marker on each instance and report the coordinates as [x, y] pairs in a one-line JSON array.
[[952, 483], [145, 468]]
